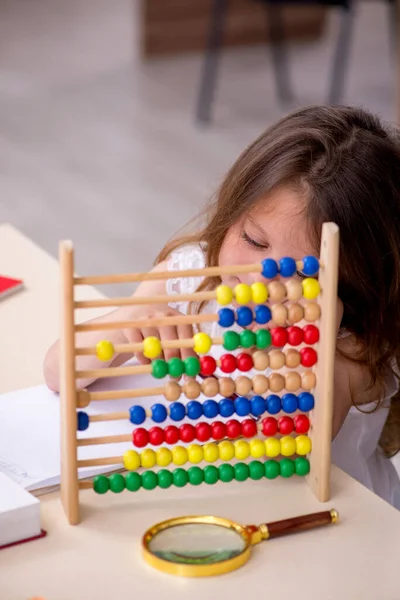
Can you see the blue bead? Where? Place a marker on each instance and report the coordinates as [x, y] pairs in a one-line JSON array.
[[244, 316], [226, 407], [263, 314], [310, 266], [306, 401], [289, 403], [158, 413], [137, 415], [210, 409], [287, 266], [194, 409], [242, 406], [258, 406], [269, 268], [226, 317], [177, 411], [83, 420], [273, 404]]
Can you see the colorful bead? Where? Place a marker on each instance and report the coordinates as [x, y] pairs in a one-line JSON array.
[[276, 382], [202, 343], [272, 447], [306, 401], [231, 340], [133, 482], [218, 430], [269, 268], [207, 365], [279, 314], [288, 445], [308, 357], [203, 432], [271, 469], [269, 426], [301, 466], [226, 387], [159, 413], [176, 367], [101, 484], [249, 428], [227, 363], [195, 476], [295, 335], [82, 420], [195, 453], [301, 423], [233, 429], [194, 409], [312, 311], [310, 266], [192, 366], [293, 381], [177, 411], [226, 473], [258, 405], [308, 380], [256, 470], [179, 455], [171, 434], [244, 316], [292, 358], [259, 292], [148, 458], [286, 425], [163, 457], [226, 408], [260, 384], [156, 436], [273, 404], [289, 403], [263, 339], [226, 450], [242, 293], [279, 336], [257, 448], [242, 471], [131, 460], [159, 368], [276, 359], [226, 317], [117, 483], [286, 467], [244, 362], [311, 288], [277, 292], [262, 314], [211, 474], [211, 453], [242, 450], [104, 350], [137, 415], [180, 477], [224, 295], [192, 389], [210, 409], [287, 266], [149, 480], [187, 433], [165, 479], [243, 385], [295, 312], [140, 437], [172, 391], [247, 338], [151, 347], [303, 445]]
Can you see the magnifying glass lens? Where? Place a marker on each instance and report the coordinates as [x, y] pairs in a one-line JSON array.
[[197, 544]]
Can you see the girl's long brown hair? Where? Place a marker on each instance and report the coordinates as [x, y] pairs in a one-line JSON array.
[[347, 163]]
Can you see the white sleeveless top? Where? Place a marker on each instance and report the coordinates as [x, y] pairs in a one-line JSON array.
[[355, 449]]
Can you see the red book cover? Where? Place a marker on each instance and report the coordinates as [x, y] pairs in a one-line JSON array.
[[9, 285]]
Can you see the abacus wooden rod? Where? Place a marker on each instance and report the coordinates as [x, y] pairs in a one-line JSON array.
[[86, 485], [106, 439], [138, 347], [136, 300], [113, 372], [159, 322], [118, 394], [97, 462]]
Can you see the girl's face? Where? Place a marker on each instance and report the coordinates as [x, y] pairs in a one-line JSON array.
[[274, 229]]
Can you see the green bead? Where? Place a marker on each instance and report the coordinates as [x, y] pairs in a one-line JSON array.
[[192, 366], [159, 368], [271, 468], [256, 469], [117, 483], [226, 473], [263, 339], [231, 340], [165, 479], [241, 471], [101, 485], [302, 465], [149, 480], [176, 367], [180, 477], [286, 467], [133, 481], [247, 338], [211, 474], [196, 475]]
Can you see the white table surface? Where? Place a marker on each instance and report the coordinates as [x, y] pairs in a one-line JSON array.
[[100, 558]]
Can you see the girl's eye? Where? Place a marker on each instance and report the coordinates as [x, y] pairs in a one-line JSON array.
[[252, 242]]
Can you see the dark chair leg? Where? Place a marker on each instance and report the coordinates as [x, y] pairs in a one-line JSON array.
[[275, 24], [341, 56], [211, 58]]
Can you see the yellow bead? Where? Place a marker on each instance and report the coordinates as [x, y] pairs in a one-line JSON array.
[[104, 350], [226, 450], [243, 293], [211, 453], [179, 455], [131, 460], [257, 448], [148, 458], [303, 445], [195, 453], [224, 295], [202, 343], [311, 288], [242, 450], [288, 446], [152, 347], [163, 457], [272, 447], [259, 292]]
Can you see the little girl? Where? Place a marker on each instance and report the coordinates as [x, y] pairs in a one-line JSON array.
[[318, 164]]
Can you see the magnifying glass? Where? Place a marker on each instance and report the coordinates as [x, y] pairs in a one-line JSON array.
[[204, 546]]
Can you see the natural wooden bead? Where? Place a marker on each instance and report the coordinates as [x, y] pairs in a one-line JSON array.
[[260, 384], [192, 389], [312, 311], [172, 391], [308, 380], [292, 358], [210, 387], [243, 385], [279, 314], [295, 313], [260, 360], [83, 398], [226, 387], [292, 381], [294, 290], [276, 382], [276, 291], [276, 359]]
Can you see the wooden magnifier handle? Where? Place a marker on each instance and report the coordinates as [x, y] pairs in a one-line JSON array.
[[297, 524]]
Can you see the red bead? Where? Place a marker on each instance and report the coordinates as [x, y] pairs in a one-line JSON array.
[[140, 437], [308, 357], [311, 334], [207, 365], [218, 430], [286, 425], [295, 336], [279, 336], [269, 426], [301, 423], [187, 433], [156, 436], [233, 429], [228, 363], [249, 428], [203, 432], [171, 434], [244, 362]]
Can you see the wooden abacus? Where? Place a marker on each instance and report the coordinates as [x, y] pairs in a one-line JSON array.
[[276, 302]]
